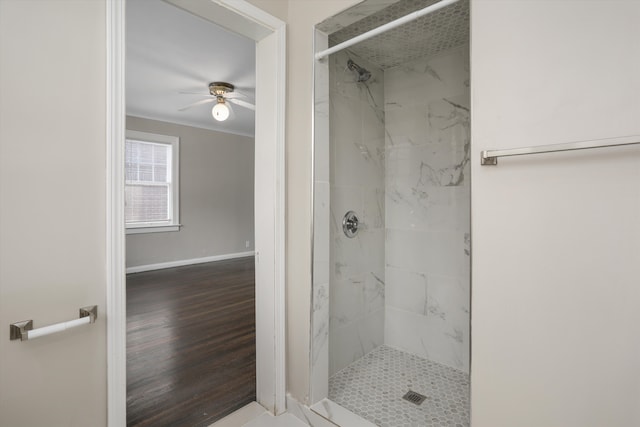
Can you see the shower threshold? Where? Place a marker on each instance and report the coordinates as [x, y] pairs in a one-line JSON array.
[[373, 388]]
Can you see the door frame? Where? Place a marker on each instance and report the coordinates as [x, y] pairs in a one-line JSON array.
[[270, 35]]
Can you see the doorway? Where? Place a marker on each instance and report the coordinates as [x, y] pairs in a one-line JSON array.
[[269, 35]]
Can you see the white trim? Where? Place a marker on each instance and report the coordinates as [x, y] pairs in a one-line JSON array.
[[273, 298], [318, 372], [116, 289], [147, 228], [280, 226], [253, 13], [174, 184], [151, 137], [183, 262], [270, 210], [233, 17]]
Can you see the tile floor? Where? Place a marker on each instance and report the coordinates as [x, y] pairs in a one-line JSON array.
[[373, 386], [254, 415]]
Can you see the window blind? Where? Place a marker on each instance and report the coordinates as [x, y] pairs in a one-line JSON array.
[[147, 182]]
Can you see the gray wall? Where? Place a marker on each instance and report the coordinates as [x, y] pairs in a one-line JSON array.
[[216, 197]]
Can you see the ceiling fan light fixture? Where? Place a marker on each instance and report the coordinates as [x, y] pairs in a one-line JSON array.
[[220, 111]]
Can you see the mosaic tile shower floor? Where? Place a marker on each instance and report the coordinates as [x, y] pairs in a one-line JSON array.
[[373, 386]]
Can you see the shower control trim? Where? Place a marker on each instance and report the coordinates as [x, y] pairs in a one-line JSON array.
[[350, 224]]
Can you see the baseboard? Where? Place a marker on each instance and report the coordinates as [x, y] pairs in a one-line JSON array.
[[180, 263]]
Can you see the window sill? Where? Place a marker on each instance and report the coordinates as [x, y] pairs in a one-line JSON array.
[[152, 229]]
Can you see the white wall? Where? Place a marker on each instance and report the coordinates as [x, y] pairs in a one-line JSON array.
[[216, 197], [52, 210], [427, 208], [301, 16], [556, 238]]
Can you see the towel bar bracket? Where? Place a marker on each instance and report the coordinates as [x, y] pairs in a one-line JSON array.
[[18, 330], [486, 160], [91, 311]]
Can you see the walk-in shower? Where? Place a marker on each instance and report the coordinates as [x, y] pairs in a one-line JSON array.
[[391, 285]]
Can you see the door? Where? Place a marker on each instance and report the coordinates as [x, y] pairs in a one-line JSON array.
[[52, 210]]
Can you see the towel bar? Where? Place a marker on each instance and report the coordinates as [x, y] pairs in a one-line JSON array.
[[490, 157], [24, 331]]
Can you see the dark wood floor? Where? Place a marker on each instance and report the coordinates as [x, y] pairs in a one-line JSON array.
[[191, 355]]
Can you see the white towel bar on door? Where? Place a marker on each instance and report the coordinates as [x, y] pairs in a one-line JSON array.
[[24, 330], [490, 157]]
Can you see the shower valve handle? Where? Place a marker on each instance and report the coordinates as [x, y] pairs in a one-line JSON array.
[[350, 224]]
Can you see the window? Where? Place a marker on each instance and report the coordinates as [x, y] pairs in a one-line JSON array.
[[151, 182]]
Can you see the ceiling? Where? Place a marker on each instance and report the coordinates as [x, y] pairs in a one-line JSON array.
[[170, 51], [427, 36]]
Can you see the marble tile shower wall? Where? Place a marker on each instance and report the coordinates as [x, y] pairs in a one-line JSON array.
[[427, 208], [357, 271], [321, 241]]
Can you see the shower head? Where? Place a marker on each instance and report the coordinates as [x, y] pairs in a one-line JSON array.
[[363, 74]]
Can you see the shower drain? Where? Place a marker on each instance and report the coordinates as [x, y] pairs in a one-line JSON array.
[[413, 397]]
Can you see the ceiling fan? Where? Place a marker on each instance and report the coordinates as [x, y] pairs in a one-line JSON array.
[[221, 93]]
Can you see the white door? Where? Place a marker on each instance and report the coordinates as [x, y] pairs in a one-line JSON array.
[[52, 210]]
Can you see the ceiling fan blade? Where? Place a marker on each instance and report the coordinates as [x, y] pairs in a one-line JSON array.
[[232, 113], [195, 93], [242, 103], [239, 94], [234, 95], [203, 101]]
